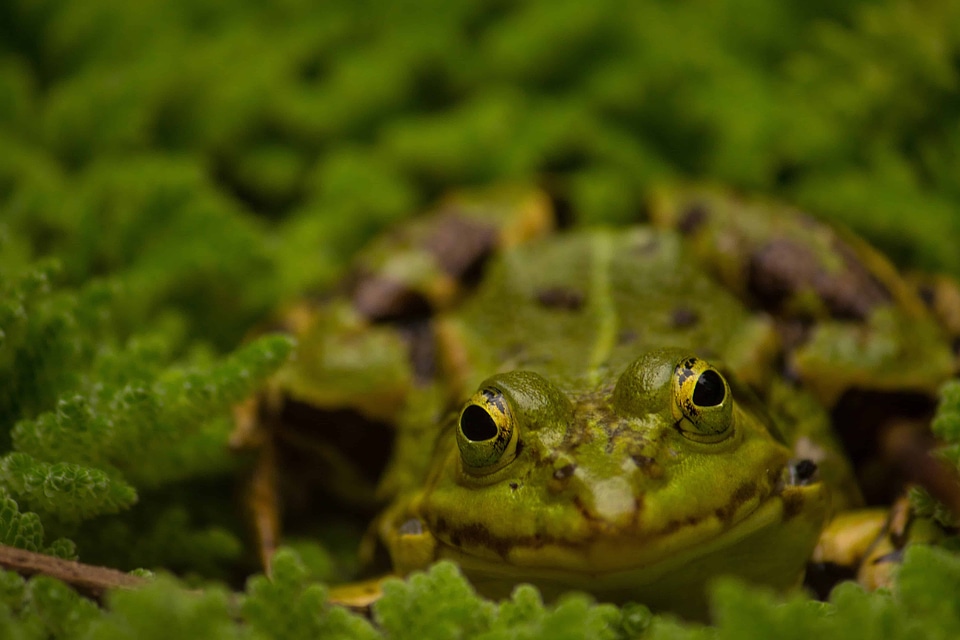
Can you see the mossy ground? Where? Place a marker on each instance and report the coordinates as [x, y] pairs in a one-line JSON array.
[[170, 171]]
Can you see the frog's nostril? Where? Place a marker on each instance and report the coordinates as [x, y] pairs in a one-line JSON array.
[[803, 472]]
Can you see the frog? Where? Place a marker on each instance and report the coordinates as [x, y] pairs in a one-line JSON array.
[[631, 412]]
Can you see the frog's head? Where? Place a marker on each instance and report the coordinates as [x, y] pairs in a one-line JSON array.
[[614, 488]]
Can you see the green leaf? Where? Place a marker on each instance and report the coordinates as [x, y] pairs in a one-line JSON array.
[[66, 491], [24, 531]]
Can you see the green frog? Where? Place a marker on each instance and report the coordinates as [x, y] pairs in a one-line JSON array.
[[629, 412]]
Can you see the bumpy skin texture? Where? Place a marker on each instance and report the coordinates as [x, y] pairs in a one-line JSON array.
[[629, 412]]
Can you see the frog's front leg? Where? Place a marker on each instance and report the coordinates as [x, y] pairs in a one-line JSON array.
[[410, 545], [868, 544]]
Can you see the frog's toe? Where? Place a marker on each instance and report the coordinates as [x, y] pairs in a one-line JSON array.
[[879, 567], [358, 596]]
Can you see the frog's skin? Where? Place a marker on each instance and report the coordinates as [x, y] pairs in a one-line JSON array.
[[629, 412]]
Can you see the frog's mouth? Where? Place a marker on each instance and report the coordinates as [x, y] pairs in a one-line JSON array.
[[769, 543]]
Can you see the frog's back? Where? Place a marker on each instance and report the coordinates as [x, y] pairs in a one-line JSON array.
[[581, 306]]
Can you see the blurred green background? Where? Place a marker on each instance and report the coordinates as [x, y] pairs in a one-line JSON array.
[[173, 170]]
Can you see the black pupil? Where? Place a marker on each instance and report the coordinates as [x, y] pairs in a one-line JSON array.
[[709, 391], [477, 425]]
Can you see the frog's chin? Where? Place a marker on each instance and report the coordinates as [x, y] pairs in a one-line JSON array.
[[770, 546]]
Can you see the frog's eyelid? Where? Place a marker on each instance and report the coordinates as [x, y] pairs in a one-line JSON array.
[[495, 397]]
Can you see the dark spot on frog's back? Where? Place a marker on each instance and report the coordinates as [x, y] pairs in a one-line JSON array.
[[381, 298], [782, 267], [461, 245], [776, 270], [692, 218], [684, 317], [927, 294], [563, 298]]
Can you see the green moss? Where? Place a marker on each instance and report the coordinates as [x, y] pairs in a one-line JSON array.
[[24, 531], [440, 604], [65, 491], [91, 420]]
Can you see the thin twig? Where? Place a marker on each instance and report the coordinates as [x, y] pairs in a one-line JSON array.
[[90, 580]]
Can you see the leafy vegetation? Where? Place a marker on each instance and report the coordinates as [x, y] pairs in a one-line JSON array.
[[172, 171], [441, 604]]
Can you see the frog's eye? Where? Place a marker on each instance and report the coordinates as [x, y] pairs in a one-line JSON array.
[[485, 432], [704, 406]]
